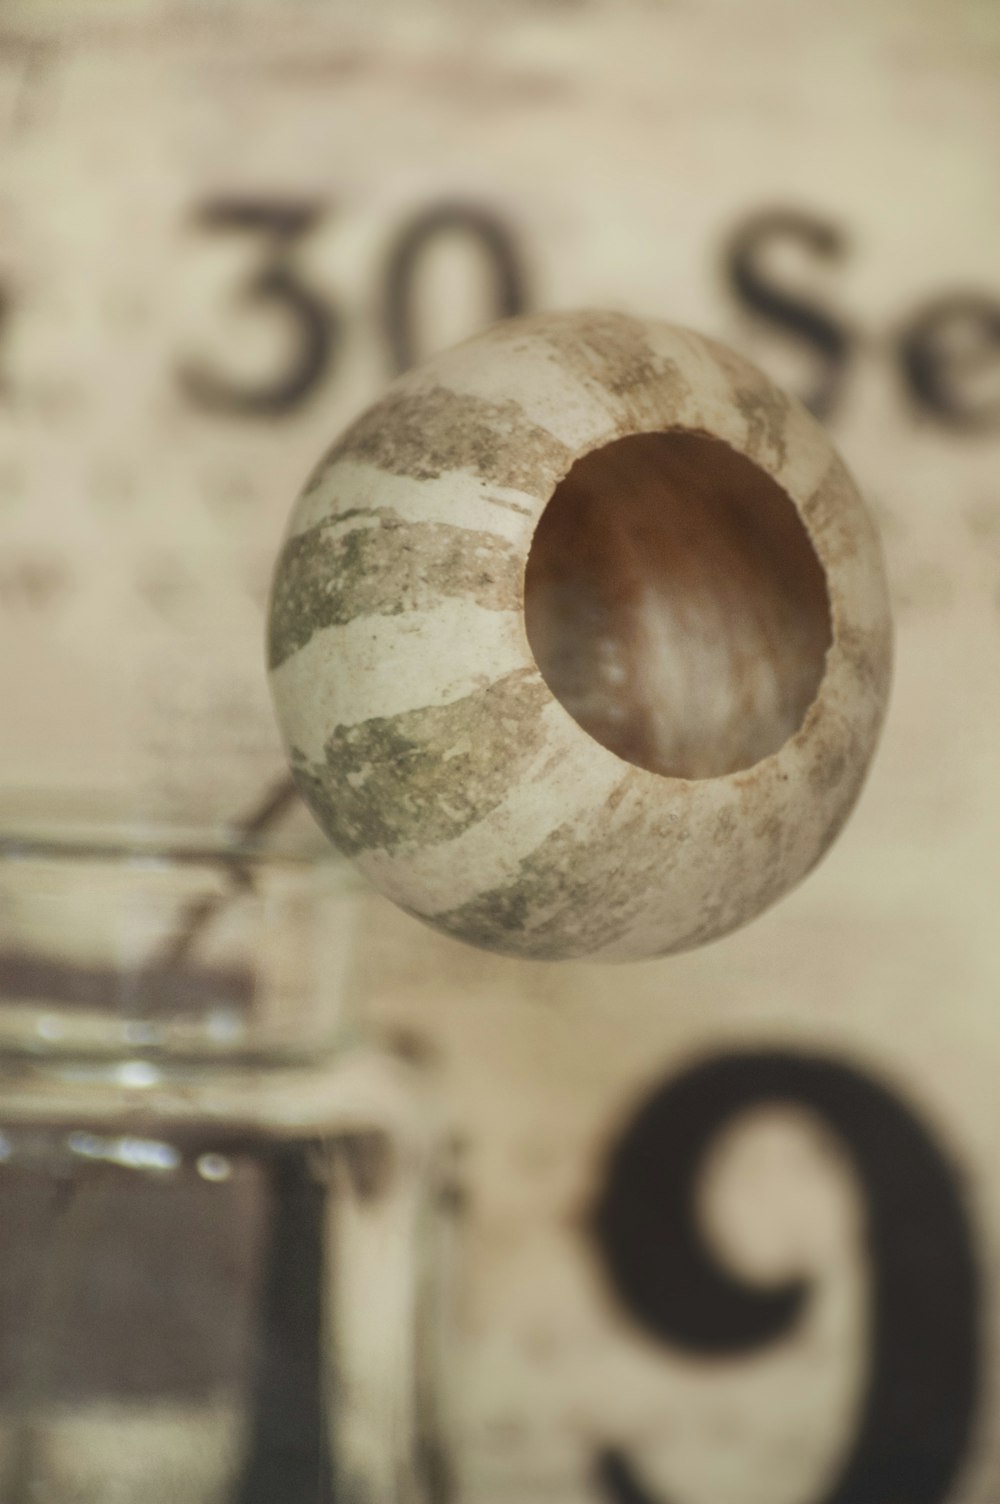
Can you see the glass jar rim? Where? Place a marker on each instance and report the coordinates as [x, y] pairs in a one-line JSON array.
[[75, 825]]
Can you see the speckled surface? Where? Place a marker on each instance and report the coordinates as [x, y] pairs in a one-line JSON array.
[[419, 726]]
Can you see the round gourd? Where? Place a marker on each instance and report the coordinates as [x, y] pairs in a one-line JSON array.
[[579, 640]]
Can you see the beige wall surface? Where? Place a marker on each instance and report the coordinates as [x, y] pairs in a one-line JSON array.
[[223, 227]]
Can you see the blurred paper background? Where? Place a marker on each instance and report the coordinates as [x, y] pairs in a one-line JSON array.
[[224, 225]]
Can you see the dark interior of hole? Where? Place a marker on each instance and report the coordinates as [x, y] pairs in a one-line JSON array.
[[675, 605]]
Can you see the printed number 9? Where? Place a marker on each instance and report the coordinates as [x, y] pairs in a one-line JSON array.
[[923, 1363]]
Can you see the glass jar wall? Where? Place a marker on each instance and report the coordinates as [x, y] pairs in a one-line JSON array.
[[217, 1228]]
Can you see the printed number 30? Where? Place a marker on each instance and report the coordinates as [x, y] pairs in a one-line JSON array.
[[315, 325]]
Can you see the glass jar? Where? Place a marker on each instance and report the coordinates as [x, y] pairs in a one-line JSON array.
[[217, 1204]]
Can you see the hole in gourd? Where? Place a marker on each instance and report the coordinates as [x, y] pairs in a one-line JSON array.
[[675, 605]]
